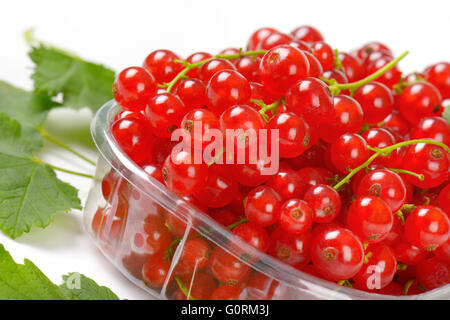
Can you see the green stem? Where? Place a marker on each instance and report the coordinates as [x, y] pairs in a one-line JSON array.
[[62, 169], [183, 288], [267, 107], [337, 61], [237, 223], [337, 87], [385, 152], [64, 146], [190, 66], [421, 177]]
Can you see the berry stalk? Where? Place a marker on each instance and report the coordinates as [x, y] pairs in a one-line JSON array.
[[190, 66], [385, 152]]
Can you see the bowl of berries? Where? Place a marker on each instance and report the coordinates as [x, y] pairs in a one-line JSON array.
[[287, 170]]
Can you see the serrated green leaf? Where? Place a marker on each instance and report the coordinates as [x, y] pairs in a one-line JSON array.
[[83, 84], [27, 282], [29, 108], [30, 192], [79, 287]]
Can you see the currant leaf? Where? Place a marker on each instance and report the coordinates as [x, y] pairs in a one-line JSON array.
[[30, 192], [29, 108], [82, 83], [27, 282]]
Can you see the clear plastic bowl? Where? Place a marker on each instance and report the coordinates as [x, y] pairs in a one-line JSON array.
[[123, 240]]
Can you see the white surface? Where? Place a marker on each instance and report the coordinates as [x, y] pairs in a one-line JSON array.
[[122, 33]]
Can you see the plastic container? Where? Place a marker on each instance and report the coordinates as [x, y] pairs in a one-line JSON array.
[[136, 202]]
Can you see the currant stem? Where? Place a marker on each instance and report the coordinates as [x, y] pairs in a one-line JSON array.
[[385, 152], [84, 175], [266, 107], [190, 66], [64, 146], [183, 288], [337, 87], [421, 177], [237, 223], [337, 61]]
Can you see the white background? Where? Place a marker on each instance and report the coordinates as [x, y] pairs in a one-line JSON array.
[[121, 33]]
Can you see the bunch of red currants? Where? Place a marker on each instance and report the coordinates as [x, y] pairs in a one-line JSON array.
[[360, 196]]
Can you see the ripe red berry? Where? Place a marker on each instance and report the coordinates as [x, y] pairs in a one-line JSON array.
[[226, 292], [370, 218], [443, 252], [409, 254], [376, 101], [352, 66], [155, 271], [288, 183], [293, 131], [348, 152], [380, 138], [199, 286], [133, 87], [337, 254], [427, 227], [182, 174], [226, 268], [134, 136], [262, 206], [307, 34], [165, 112], [396, 124], [419, 100], [227, 88], [430, 160], [324, 53], [194, 58], [378, 269], [273, 40], [295, 216], [195, 120], [311, 99], [249, 67], [433, 273], [390, 77], [370, 47], [315, 68], [292, 249], [386, 185], [213, 66], [255, 236], [281, 67], [161, 64], [258, 36], [192, 92], [324, 201], [347, 118], [435, 128], [443, 200], [439, 75]]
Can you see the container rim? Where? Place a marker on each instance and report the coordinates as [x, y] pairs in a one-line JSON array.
[[216, 233]]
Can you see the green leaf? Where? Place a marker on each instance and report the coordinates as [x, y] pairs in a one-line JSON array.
[[446, 113], [30, 192], [29, 108], [79, 287], [27, 282], [83, 84]]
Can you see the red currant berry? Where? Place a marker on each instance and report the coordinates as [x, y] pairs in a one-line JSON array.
[[427, 227], [133, 88], [370, 218], [220, 188], [155, 271], [288, 183], [198, 123], [386, 185], [200, 287], [193, 93], [370, 47], [312, 176], [430, 160], [419, 100], [307, 34], [352, 66], [324, 201], [161, 64], [348, 152], [249, 67], [213, 66], [182, 174], [226, 292], [337, 254], [296, 216], [227, 88], [293, 134], [262, 206], [443, 252], [409, 254], [439, 75], [273, 40], [396, 124], [281, 67], [134, 137], [226, 268], [443, 200], [347, 118], [255, 236], [165, 112], [258, 36], [433, 273], [292, 249], [390, 77], [376, 101], [315, 68], [324, 53], [195, 256], [311, 99], [380, 138], [435, 128], [194, 58]]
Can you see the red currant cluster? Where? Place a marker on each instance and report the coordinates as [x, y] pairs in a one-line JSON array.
[[361, 196]]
